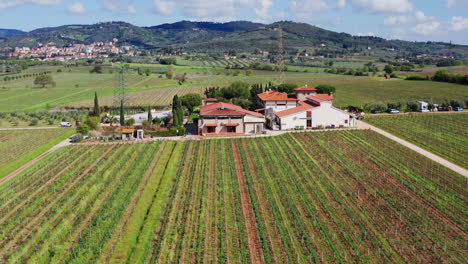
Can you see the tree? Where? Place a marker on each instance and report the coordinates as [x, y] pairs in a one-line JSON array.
[[150, 116], [96, 69], [148, 72], [177, 111], [122, 115], [286, 88], [237, 89], [191, 101], [388, 69], [97, 111], [169, 74], [43, 80], [130, 122], [92, 122], [325, 89], [82, 129]]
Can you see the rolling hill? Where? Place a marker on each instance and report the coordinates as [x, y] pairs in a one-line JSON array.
[[241, 36]]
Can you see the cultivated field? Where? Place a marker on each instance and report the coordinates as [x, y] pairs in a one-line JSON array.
[[443, 134], [78, 86], [341, 196], [19, 146]]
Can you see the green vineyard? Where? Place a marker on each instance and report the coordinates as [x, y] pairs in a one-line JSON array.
[[443, 134], [323, 197]]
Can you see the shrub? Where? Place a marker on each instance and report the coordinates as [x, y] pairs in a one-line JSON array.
[[82, 129], [416, 77], [34, 122], [130, 122]]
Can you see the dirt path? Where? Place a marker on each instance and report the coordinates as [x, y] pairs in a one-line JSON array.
[[26, 128], [421, 151], [247, 210], [30, 163]]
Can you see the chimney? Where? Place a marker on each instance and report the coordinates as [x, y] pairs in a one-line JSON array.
[[330, 93]]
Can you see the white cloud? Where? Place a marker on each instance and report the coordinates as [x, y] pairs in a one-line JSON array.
[[212, 10], [77, 8], [397, 20], [341, 4], [419, 17], [456, 3], [131, 9], [427, 28], [368, 34], [459, 23], [119, 6], [12, 3], [308, 6], [383, 6]]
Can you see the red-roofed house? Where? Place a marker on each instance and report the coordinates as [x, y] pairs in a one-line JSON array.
[[305, 110], [275, 100], [316, 111], [223, 118], [303, 92]]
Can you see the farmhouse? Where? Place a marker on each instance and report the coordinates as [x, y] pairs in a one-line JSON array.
[[218, 118], [304, 110]]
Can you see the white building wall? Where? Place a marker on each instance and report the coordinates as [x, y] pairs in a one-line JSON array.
[[324, 115], [283, 105]]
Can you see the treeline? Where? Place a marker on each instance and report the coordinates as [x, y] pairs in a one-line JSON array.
[[24, 76], [412, 106], [245, 95], [441, 76]]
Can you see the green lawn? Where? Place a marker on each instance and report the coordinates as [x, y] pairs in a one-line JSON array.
[[442, 134]]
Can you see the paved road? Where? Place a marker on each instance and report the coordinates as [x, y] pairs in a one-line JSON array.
[[421, 151]]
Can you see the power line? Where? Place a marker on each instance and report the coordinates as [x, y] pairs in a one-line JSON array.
[[280, 57]]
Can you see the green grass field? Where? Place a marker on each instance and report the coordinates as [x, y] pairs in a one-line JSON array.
[[20, 146], [353, 197], [79, 86], [443, 134]]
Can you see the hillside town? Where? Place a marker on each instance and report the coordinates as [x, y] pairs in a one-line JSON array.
[[53, 52]]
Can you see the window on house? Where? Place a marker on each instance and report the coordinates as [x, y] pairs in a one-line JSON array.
[[346, 121], [211, 129]]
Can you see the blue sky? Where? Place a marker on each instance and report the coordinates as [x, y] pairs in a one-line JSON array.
[[438, 20]]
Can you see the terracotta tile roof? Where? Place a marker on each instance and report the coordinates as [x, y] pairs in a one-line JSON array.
[[305, 88], [276, 96], [219, 105], [321, 98], [232, 124], [204, 110], [223, 113], [302, 107], [211, 125], [127, 130]]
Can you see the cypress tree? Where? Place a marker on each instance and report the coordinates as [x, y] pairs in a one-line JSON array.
[[97, 111], [176, 110], [150, 116], [122, 116]]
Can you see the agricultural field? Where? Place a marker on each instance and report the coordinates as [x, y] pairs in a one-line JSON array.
[[443, 134], [20, 146], [329, 197], [78, 86]]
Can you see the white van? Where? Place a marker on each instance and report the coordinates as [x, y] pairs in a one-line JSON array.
[[65, 124]]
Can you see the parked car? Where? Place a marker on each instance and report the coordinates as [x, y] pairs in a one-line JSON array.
[[392, 111], [375, 111], [458, 108], [65, 124]]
